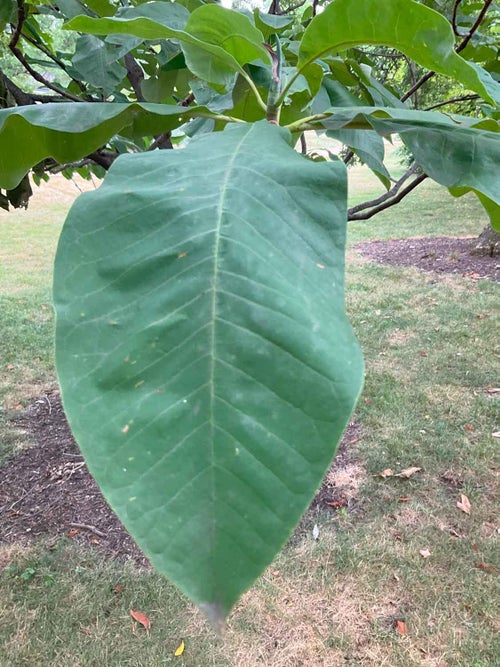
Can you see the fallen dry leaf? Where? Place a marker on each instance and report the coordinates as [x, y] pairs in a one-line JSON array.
[[337, 503], [408, 472], [180, 649], [118, 589], [404, 499], [10, 367], [487, 567], [72, 532], [401, 628], [475, 547], [464, 504], [425, 553], [141, 618], [469, 427], [422, 353], [386, 473]]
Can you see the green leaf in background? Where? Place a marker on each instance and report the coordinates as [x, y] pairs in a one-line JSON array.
[[96, 62], [206, 363], [415, 30], [271, 24], [212, 54], [369, 147], [101, 7], [69, 131], [230, 30], [7, 12]]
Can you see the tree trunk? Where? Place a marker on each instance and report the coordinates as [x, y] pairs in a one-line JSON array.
[[487, 243]]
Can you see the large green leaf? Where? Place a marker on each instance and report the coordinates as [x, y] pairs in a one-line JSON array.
[[369, 147], [69, 131], [206, 364], [216, 42], [455, 151], [96, 63], [419, 32]]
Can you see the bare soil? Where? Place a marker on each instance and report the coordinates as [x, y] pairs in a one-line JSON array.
[[47, 491], [439, 254]]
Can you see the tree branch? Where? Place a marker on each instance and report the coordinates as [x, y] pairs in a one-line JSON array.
[[459, 48], [454, 18], [162, 141], [21, 98], [464, 98], [393, 196], [21, 16], [275, 7], [476, 25], [103, 158], [135, 75], [291, 9], [303, 144]]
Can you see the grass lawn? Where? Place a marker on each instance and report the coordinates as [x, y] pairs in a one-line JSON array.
[[363, 594]]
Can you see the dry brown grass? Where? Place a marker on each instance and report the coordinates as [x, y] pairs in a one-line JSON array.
[[348, 479]]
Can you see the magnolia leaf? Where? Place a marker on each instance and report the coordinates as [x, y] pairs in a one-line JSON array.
[[69, 131], [455, 151], [141, 618], [217, 42], [206, 364], [415, 30]]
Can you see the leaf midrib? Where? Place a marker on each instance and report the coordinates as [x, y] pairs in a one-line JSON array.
[[212, 339]]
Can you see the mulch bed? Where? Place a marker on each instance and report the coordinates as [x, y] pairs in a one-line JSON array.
[[440, 254], [46, 491]]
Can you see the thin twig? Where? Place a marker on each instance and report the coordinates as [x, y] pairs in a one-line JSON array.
[[348, 156], [303, 144], [86, 526], [54, 59], [453, 100]]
